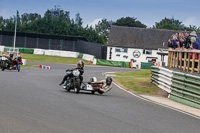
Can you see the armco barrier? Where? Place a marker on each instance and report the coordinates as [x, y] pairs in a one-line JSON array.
[[113, 63], [88, 57], [183, 88], [162, 78], [38, 51]]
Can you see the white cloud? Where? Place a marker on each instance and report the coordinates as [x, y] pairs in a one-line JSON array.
[[192, 21], [93, 23]]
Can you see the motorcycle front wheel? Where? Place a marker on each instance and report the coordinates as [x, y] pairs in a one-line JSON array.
[[77, 86]]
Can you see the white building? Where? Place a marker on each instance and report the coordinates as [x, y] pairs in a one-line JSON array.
[[140, 44]]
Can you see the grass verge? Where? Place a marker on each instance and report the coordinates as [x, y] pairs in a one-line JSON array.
[[50, 59], [140, 83]]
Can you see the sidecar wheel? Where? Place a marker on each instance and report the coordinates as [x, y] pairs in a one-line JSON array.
[[92, 92]]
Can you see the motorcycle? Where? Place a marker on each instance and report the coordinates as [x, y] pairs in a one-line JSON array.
[[73, 81], [15, 64], [4, 63]]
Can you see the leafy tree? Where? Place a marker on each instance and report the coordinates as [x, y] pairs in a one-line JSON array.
[[103, 29], [129, 22], [170, 24], [78, 20]]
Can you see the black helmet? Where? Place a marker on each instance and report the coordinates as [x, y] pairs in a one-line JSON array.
[[19, 57], [11, 54], [108, 80]]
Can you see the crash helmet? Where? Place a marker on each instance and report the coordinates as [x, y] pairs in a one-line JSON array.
[[11, 54], [19, 57], [108, 80], [80, 64]]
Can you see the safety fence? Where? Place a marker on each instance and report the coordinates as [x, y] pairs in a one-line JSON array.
[[113, 63], [181, 87], [187, 60], [53, 42]]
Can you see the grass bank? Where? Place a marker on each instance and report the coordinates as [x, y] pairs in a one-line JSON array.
[[52, 59], [138, 82]]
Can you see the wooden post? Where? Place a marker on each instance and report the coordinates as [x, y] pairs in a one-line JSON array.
[[185, 56], [177, 59], [188, 67], [193, 61], [171, 59], [174, 59], [181, 54]]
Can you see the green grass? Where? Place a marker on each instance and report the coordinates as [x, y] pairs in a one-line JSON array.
[[52, 59], [140, 83], [29, 66]]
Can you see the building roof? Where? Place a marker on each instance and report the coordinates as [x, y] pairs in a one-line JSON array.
[[142, 38]]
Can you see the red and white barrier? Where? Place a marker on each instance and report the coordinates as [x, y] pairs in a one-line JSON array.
[[45, 67]]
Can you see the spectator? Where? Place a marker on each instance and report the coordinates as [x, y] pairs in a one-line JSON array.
[[187, 40], [194, 34], [181, 40], [193, 46], [155, 63], [172, 42]]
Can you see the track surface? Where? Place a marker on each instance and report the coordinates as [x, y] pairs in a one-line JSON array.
[[32, 102]]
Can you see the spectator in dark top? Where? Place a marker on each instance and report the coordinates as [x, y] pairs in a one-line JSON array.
[[181, 40], [172, 42], [194, 44], [187, 40], [194, 34]]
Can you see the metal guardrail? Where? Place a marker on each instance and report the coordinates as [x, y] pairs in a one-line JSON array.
[[181, 59], [181, 87]]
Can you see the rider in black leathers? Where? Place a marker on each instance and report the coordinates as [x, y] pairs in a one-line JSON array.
[[10, 60], [80, 66]]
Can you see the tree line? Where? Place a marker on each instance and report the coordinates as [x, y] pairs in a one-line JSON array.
[[58, 22]]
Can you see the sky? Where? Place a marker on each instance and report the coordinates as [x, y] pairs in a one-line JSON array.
[[91, 11]]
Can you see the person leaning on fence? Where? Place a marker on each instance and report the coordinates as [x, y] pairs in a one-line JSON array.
[[194, 34], [172, 42], [194, 46], [187, 40], [181, 40]]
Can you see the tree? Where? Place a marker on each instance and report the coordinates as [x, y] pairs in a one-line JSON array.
[[129, 22], [170, 24], [103, 29], [78, 20]]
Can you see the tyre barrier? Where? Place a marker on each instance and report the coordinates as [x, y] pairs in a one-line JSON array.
[[181, 87], [45, 67]]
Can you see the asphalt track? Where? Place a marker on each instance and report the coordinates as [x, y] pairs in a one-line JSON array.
[[31, 101]]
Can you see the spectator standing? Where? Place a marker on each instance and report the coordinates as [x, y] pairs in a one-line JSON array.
[[187, 40], [194, 34], [194, 46], [181, 40]]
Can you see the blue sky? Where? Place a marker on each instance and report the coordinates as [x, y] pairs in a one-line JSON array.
[[146, 11]]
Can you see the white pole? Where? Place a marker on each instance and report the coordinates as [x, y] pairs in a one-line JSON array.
[[15, 33]]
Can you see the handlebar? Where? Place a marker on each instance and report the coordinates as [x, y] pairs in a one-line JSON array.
[[72, 69]]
